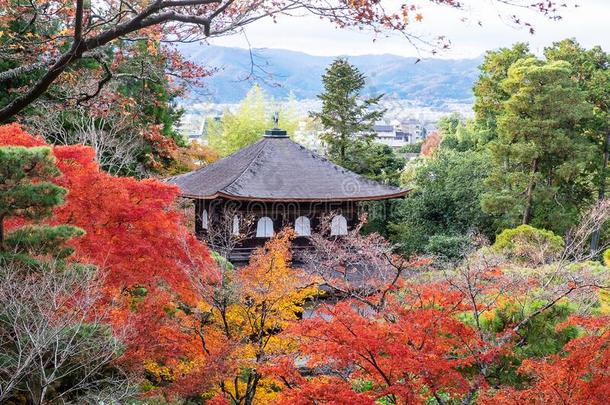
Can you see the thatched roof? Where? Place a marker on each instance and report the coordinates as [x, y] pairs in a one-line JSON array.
[[279, 169]]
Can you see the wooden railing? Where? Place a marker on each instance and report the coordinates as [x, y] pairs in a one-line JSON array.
[[242, 254]]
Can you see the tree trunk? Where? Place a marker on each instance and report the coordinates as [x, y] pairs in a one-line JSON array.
[[602, 188], [342, 149], [527, 212], [251, 389]]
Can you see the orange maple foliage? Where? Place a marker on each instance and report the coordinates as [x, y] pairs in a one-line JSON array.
[[189, 158], [431, 144], [410, 351], [579, 376], [325, 391]]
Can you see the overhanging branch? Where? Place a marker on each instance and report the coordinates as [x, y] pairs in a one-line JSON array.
[[100, 84], [144, 19], [20, 70]]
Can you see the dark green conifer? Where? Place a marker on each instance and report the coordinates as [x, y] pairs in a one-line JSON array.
[[26, 191], [347, 117]]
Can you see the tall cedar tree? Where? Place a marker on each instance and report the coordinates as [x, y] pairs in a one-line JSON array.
[[346, 116], [540, 153], [591, 70]]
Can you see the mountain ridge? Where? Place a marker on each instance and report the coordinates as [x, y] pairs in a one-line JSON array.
[[283, 72]]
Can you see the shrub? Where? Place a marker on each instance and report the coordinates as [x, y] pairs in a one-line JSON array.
[[529, 245], [450, 246]]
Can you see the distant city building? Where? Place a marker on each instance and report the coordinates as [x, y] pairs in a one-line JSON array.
[[387, 135], [194, 124], [191, 127], [400, 133]]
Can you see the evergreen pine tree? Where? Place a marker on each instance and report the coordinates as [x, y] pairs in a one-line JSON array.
[[542, 158], [591, 70], [346, 116], [26, 191], [488, 90]]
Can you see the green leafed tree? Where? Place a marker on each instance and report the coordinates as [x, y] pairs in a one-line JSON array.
[[26, 191], [238, 129], [461, 135], [444, 204], [542, 160], [376, 161], [347, 116], [448, 124]]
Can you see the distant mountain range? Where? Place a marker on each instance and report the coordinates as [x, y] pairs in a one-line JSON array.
[[281, 72]]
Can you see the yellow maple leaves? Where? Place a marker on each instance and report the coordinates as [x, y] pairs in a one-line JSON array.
[[234, 336], [269, 296], [270, 287]]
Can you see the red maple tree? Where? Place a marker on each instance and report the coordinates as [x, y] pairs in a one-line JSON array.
[[413, 349], [580, 375], [136, 238]]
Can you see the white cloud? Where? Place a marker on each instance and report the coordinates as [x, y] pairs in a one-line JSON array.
[[588, 24]]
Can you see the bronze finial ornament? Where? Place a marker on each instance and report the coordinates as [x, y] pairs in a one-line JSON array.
[[276, 119]]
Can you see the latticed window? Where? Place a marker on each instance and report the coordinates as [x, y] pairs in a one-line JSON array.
[[264, 228], [338, 225], [302, 226]]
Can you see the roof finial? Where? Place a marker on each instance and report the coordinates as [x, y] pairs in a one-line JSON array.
[[276, 132], [276, 119]]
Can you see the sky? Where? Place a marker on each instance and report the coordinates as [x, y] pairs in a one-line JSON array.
[[589, 23]]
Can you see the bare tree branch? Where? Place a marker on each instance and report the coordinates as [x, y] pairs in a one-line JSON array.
[[51, 329], [100, 84]]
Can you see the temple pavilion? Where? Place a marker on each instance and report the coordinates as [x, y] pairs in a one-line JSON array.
[[272, 184]]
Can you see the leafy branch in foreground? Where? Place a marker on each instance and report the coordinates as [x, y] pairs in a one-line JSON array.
[[42, 41]]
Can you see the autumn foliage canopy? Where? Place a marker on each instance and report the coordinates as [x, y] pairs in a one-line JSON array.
[[485, 331], [135, 237]]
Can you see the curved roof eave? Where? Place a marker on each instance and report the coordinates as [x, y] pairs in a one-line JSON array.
[[399, 194]]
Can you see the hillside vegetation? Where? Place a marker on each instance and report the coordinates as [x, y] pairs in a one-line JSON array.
[[282, 72]]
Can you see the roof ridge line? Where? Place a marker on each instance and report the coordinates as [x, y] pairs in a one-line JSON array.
[[247, 167]]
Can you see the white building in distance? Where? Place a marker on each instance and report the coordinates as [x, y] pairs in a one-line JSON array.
[[398, 134]]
